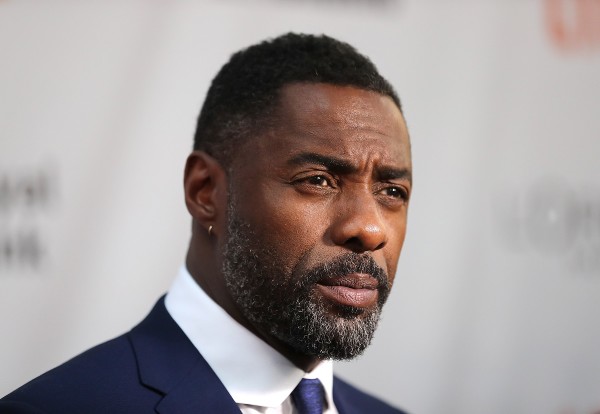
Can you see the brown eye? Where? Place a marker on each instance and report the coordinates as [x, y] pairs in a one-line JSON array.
[[318, 180], [396, 192]]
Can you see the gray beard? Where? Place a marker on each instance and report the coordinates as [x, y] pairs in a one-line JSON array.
[[281, 301]]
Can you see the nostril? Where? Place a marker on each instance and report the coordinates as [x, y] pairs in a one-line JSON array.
[[355, 244]]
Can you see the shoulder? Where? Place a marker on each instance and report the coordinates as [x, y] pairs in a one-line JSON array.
[[102, 374], [129, 374], [350, 399]]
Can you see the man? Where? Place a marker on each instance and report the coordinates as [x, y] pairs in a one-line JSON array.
[[298, 188]]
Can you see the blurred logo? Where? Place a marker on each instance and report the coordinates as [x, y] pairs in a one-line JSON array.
[[554, 220], [573, 24], [27, 199]]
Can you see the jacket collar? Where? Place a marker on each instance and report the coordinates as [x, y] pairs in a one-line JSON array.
[[169, 364]]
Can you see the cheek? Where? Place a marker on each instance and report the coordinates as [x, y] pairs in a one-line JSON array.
[[286, 222], [394, 248]]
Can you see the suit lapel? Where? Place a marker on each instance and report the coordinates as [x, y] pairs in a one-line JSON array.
[[340, 398], [170, 365], [198, 392]]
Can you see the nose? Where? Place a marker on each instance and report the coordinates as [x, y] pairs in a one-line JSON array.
[[358, 224]]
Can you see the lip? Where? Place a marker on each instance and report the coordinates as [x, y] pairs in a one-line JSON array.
[[357, 290]]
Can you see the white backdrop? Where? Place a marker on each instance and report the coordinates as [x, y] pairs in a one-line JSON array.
[[495, 303]]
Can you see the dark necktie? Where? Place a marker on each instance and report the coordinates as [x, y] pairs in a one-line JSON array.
[[309, 396]]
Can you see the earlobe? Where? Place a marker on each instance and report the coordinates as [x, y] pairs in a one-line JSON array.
[[204, 187]]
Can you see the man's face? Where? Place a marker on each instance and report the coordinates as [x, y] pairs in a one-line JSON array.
[[317, 218]]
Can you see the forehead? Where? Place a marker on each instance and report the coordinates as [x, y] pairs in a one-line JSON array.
[[336, 120], [343, 119], [347, 106]]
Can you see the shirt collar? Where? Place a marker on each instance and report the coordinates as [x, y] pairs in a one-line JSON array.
[[251, 370]]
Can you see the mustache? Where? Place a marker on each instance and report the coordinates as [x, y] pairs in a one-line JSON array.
[[346, 264]]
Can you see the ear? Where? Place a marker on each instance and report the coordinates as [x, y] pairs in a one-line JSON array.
[[205, 187]]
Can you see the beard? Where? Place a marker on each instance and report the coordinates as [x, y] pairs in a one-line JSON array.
[[281, 300]]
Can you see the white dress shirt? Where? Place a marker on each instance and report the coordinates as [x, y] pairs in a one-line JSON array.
[[259, 378]]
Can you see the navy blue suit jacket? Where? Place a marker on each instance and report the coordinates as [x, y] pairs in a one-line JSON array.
[[152, 368]]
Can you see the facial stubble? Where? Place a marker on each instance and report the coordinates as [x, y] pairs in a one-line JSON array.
[[282, 301]]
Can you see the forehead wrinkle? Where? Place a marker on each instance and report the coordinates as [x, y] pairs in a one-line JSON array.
[[364, 134], [360, 132], [361, 116], [316, 122], [315, 107]]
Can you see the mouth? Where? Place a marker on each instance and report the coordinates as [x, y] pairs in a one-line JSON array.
[[358, 290]]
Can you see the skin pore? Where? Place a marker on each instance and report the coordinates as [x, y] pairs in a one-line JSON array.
[[308, 223]]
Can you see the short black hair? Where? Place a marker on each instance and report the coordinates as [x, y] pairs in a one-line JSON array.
[[245, 93]]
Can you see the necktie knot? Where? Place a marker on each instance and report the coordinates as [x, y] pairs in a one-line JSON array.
[[309, 396]]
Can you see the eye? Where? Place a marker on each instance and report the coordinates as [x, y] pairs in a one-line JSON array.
[[315, 183], [396, 192], [318, 180]]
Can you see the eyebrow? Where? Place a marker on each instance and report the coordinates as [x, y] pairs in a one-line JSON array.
[[341, 166], [334, 164], [387, 173]]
